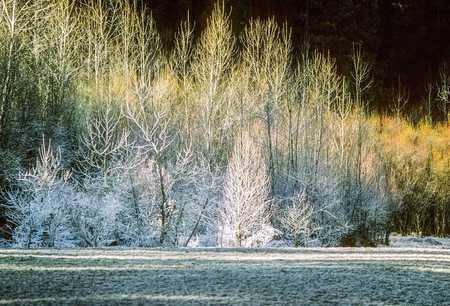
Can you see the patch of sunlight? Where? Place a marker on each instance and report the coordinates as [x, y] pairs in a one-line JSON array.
[[335, 257], [90, 256], [429, 269], [117, 297], [341, 255], [93, 268]]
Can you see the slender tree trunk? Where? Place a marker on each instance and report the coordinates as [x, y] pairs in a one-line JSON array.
[[194, 230], [164, 214]]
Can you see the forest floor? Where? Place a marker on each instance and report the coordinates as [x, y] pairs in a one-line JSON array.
[[327, 276]]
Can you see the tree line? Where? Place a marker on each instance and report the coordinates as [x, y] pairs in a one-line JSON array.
[[107, 138]]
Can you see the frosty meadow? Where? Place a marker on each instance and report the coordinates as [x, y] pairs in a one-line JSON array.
[[325, 276]]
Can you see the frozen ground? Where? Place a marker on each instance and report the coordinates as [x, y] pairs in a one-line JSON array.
[[336, 276]]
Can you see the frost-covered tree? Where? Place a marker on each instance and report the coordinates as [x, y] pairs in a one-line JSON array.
[[37, 210], [157, 207], [297, 219], [103, 142], [153, 142], [315, 213], [165, 204], [198, 196], [245, 207], [94, 215]]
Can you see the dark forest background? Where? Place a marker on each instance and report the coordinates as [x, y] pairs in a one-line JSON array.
[[406, 40]]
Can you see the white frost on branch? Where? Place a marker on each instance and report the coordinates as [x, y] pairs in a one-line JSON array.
[[246, 206]]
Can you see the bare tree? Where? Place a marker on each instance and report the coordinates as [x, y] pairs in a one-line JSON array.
[[104, 142], [16, 18], [400, 100], [444, 92], [361, 75], [267, 56], [213, 60], [181, 62], [153, 142], [246, 194]]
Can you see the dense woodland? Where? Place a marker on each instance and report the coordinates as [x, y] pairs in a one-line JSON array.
[[248, 136]]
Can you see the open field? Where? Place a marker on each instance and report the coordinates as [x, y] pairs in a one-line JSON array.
[[382, 276]]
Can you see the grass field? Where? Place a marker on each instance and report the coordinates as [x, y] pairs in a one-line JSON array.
[[382, 276]]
